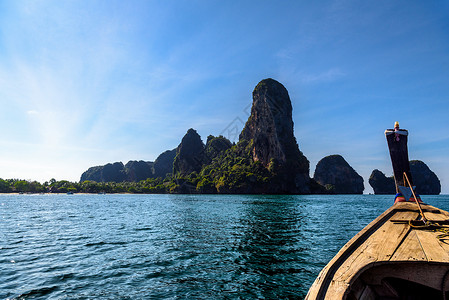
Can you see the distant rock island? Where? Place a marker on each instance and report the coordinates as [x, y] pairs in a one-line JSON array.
[[426, 182], [337, 176], [381, 184], [265, 160]]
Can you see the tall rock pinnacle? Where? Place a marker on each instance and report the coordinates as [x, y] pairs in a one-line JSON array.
[[270, 131], [189, 154]]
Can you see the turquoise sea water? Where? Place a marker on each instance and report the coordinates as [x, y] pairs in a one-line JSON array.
[[175, 246]]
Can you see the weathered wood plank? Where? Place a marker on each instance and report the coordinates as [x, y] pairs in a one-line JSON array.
[[410, 249], [433, 248], [435, 216], [380, 246], [444, 242]]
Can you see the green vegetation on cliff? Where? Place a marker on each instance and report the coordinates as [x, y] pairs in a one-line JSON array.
[[232, 171]]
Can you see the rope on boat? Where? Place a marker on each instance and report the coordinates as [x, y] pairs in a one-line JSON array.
[[434, 226], [429, 225]]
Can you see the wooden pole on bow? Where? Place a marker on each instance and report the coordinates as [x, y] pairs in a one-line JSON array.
[[416, 199]]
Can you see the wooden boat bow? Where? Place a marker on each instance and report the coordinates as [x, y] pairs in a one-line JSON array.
[[389, 258]]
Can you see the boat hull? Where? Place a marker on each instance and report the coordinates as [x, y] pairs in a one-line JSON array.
[[389, 259]]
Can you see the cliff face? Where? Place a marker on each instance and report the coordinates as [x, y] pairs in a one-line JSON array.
[[338, 176], [138, 170], [163, 164], [189, 154], [427, 183], [108, 173], [133, 170], [269, 130], [381, 184]]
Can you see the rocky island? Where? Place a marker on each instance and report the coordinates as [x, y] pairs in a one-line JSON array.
[[271, 142], [381, 184], [337, 176], [426, 182], [266, 158]]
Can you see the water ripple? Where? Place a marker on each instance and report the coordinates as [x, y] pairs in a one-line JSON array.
[[174, 246]]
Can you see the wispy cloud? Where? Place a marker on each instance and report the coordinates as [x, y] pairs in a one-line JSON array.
[[325, 76]]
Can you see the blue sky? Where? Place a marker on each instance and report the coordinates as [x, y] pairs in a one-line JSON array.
[[84, 83]]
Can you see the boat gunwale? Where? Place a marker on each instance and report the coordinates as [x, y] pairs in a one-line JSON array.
[[346, 251]]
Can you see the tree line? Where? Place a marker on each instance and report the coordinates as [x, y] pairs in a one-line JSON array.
[[148, 186]]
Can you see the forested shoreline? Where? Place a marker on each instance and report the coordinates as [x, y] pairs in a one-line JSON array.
[[149, 186]]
